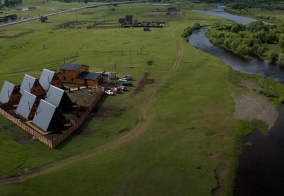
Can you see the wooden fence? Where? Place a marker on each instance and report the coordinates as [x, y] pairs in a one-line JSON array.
[[28, 129], [77, 124], [65, 134]]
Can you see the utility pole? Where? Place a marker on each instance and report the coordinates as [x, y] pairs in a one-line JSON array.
[[115, 70], [141, 47], [130, 59]]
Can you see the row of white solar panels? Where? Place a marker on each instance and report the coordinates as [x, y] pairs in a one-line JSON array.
[[46, 108]]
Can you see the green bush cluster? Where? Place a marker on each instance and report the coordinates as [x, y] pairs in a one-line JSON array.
[[188, 31], [248, 40]]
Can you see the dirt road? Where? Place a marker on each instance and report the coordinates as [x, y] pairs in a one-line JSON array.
[[144, 122]]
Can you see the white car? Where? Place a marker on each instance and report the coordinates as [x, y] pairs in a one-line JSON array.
[[122, 80], [109, 92]]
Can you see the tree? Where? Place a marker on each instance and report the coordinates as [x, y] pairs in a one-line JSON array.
[[258, 50], [273, 56], [281, 41], [236, 28], [281, 60]]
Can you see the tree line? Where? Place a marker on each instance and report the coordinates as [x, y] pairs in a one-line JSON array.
[[242, 4], [252, 40], [11, 3]]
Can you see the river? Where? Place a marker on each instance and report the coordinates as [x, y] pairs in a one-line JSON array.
[[260, 170]]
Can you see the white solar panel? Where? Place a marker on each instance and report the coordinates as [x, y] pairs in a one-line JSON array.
[[26, 104], [27, 83], [44, 115], [6, 92], [54, 95], [46, 78]]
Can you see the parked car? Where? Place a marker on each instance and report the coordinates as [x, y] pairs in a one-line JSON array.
[[122, 80], [123, 88], [127, 77], [109, 92], [127, 83]]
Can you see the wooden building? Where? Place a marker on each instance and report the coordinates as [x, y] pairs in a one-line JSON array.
[[78, 74], [10, 95], [32, 85], [28, 105], [48, 78], [59, 98]]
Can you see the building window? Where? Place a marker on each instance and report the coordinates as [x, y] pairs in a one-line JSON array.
[[64, 78], [72, 79]]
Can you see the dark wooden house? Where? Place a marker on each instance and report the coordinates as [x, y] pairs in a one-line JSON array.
[[129, 18]]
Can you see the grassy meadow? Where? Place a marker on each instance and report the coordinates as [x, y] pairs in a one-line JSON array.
[[187, 146]]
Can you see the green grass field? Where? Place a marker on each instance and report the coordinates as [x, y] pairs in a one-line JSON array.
[[185, 143]]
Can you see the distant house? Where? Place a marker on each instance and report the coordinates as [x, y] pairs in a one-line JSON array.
[[32, 85], [10, 95], [129, 18], [48, 78], [78, 74], [121, 20]]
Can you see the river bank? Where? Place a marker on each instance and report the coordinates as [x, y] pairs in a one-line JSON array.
[[259, 98]]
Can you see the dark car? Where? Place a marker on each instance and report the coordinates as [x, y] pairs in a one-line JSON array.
[[127, 83], [127, 77]]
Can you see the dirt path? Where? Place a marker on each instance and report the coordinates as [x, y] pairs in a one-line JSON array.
[[144, 121]]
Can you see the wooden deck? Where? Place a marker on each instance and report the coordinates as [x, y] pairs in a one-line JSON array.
[[36, 128]]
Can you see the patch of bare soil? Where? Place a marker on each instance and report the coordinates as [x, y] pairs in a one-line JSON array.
[[105, 112], [250, 85], [251, 105], [145, 80]]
